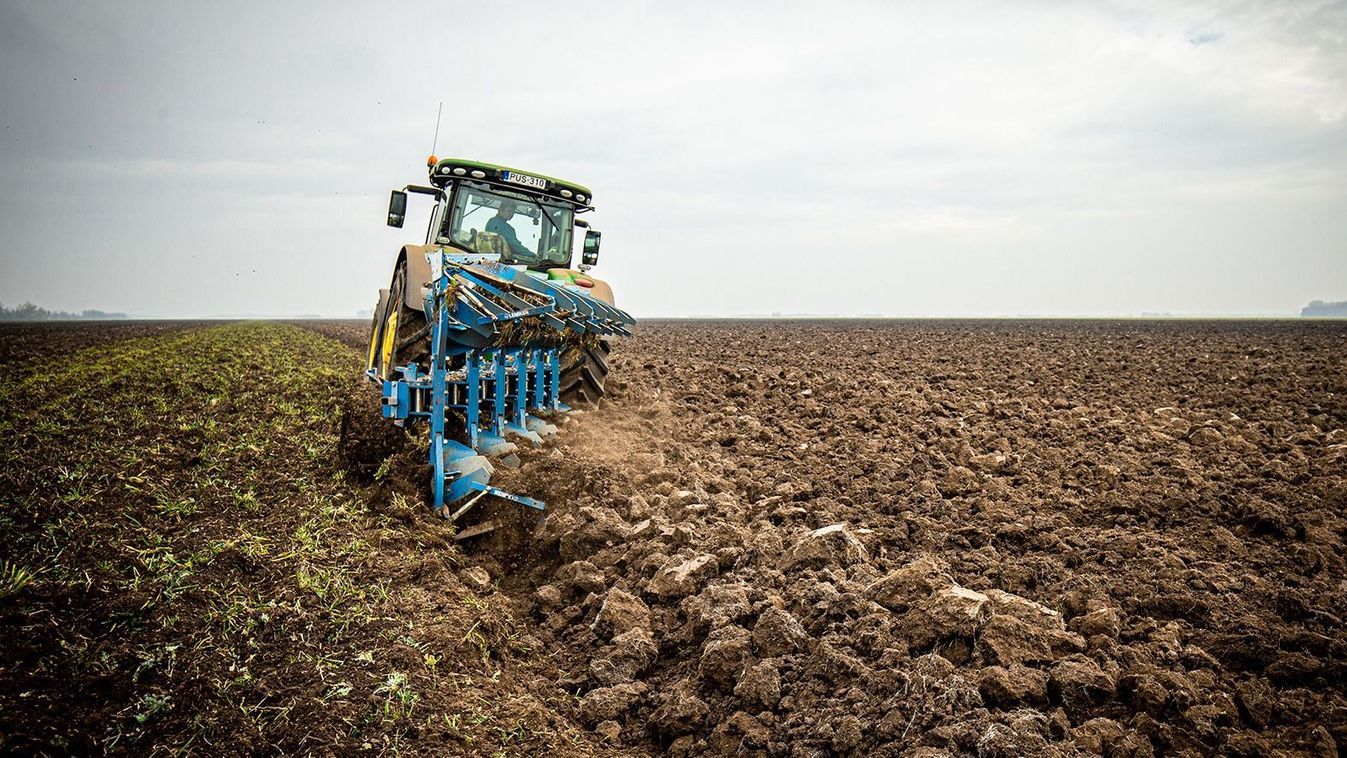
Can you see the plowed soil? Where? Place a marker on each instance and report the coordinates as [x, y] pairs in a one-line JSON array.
[[776, 538], [1001, 538]]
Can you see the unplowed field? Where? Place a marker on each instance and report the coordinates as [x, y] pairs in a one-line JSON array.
[[779, 538]]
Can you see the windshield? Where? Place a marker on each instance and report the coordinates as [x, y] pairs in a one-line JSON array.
[[521, 228]]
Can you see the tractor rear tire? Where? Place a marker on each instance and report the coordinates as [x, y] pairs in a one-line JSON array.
[[412, 342], [583, 374]]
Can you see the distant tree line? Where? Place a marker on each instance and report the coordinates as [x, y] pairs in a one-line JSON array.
[[30, 312], [1320, 309]]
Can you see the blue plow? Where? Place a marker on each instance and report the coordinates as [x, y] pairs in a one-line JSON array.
[[496, 335]]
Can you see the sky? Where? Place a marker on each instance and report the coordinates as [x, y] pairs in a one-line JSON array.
[[960, 159]]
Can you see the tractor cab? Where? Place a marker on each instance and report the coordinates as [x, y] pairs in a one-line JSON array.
[[526, 219]]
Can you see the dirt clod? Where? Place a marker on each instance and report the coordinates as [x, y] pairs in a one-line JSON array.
[[680, 577], [1013, 686], [680, 712], [725, 655], [621, 612], [778, 633], [611, 703], [1079, 685], [946, 614], [760, 684], [476, 577]]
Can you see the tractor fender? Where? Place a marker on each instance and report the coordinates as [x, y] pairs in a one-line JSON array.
[[418, 278], [418, 275], [600, 290]]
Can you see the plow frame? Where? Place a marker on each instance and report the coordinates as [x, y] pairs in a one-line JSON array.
[[498, 388]]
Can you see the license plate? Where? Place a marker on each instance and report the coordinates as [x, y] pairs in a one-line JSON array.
[[524, 179]]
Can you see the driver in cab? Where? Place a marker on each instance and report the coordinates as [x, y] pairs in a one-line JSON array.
[[500, 224]]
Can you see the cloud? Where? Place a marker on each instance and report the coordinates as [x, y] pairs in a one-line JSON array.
[[986, 158], [1198, 37]]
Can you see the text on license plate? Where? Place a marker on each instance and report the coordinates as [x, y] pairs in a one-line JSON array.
[[524, 179]]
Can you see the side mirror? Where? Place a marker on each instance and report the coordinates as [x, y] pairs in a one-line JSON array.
[[397, 208], [589, 255]]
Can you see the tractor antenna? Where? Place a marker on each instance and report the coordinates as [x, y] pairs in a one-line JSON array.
[[436, 142]]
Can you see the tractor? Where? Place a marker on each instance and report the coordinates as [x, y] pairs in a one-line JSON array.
[[486, 332]]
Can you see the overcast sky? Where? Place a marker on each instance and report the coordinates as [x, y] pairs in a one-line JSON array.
[[951, 159]]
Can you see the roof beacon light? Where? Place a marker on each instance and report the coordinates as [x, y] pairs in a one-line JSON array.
[[432, 160]]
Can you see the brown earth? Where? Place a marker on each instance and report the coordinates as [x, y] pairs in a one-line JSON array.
[[991, 537], [21, 343], [820, 537]]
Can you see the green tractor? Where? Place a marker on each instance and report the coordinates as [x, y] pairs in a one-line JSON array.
[[530, 221]]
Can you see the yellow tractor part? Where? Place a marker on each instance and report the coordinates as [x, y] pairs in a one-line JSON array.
[[390, 337], [373, 348]]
